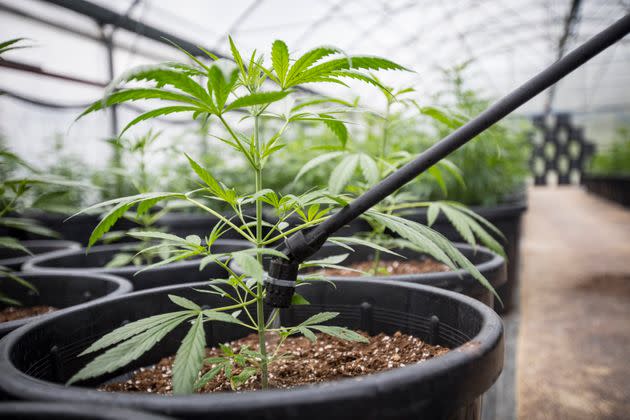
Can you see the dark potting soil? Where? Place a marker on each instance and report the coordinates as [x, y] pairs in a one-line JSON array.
[[390, 268], [326, 359], [12, 313]]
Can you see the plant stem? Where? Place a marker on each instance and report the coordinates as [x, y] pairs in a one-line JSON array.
[[383, 154], [260, 309]]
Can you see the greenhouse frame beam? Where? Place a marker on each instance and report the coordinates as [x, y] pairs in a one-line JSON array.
[[104, 16], [75, 31], [569, 26], [16, 65]]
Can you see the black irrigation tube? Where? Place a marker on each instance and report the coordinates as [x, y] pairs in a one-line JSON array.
[[299, 246]]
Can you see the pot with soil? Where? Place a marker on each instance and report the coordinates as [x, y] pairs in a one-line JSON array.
[[507, 218], [415, 267], [54, 291], [48, 410], [432, 354], [611, 187], [97, 258], [14, 259]]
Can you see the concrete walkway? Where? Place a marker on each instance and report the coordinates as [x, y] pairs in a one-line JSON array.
[[573, 349]]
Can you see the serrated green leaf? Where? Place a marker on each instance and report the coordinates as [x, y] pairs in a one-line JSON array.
[[5, 272], [184, 303], [280, 59], [135, 94], [12, 243], [127, 351], [178, 257], [315, 162], [108, 221], [206, 177], [132, 329], [158, 235], [164, 75], [341, 333], [432, 213], [461, 223], [369, 169], [342, 173], [212, 315], [258, 98], [338, 128], [308, 59], [160, 112], [121, 259], [189, 358], [244, 375], [208, 376], [358, 241], [250, 266], [308, 334], [298, 299], [318, 318]]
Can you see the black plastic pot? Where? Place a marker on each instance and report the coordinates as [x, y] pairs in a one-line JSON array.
[[49, 410], [492, 266], [507, 218], [448, 387], [14, 259], [60, 290], [611, 187], [97, 257]]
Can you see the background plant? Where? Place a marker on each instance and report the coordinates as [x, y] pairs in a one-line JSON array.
[[237, 98], [359, 164], [615, 158], [495, 165]]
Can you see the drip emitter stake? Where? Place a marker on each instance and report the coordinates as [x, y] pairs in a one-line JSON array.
[[280, 282]]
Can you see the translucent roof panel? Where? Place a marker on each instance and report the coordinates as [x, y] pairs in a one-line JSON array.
[[505, 42]]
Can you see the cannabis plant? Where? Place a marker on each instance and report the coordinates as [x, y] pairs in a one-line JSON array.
[[241, 97], [495, 165], [136, 151], [360, 163], [615, 158], [22, 187]]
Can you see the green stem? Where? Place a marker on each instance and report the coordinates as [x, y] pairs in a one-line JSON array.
[[260, 309], [382, 158]]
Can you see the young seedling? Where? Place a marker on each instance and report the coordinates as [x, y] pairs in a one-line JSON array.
[[242, 87]]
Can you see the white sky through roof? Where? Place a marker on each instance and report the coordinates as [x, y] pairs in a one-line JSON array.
[[507, 42]]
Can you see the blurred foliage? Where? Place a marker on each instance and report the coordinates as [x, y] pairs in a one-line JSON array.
[[614, 159], [495, 165]]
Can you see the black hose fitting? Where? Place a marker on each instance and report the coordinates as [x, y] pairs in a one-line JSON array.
[[280, 282], [282, 273]]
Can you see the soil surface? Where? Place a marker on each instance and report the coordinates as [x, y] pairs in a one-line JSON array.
[[391, 268], [17, 312], [326, 359]]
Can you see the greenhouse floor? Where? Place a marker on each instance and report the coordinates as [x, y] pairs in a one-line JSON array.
[[573, 346]]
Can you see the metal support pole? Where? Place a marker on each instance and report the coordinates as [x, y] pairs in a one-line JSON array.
[[299, 246], [113, 110]]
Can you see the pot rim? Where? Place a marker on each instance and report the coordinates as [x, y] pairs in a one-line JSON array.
[[35, 263], [494, 263], [486, 343], [124, 287], [46, 243]]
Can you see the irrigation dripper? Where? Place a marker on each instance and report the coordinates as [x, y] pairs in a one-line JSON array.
[[282, 274]]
